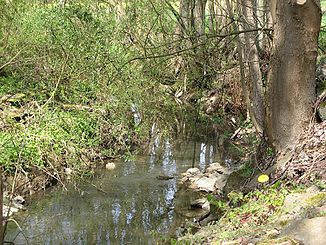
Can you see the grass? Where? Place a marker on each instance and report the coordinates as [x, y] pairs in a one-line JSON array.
[[243, 216]]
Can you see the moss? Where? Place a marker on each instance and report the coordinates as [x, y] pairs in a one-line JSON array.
[[317, 200]]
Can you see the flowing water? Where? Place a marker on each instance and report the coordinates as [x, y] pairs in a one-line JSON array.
[[127, 205]]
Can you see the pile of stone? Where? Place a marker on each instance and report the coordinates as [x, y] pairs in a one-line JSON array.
[[212, 180]]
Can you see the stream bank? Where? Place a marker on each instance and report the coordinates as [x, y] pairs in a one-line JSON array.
[[290, 208], [299, 217]]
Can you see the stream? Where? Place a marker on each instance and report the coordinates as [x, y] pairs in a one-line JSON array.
[[127, 205]]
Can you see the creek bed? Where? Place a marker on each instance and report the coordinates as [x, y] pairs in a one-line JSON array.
[[129, 204]]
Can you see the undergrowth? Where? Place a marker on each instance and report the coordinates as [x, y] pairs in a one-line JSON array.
[[69, 94]]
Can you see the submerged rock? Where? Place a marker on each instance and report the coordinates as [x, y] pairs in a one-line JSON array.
[[198, 210], [164, 177]]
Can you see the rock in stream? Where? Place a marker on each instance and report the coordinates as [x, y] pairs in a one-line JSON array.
[[211, 181]]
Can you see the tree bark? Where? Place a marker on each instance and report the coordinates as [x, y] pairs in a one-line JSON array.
[[291, 79], [212, 16], [254, 83], [183, 20], [199, 15]]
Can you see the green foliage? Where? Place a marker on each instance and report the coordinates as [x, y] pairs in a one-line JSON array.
[[235, 198], [220, 205], [54, 138], [73, 66]]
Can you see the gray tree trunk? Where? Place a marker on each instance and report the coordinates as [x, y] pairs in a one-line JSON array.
[[254, 82], [291, 79], [199, 16], [212, 16]]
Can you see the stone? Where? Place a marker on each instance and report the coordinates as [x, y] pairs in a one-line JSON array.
[[216, 168], [164, 177], [193, 171], [202, 203], [307, 231], [295, 204], [110, 166], [204, 184]]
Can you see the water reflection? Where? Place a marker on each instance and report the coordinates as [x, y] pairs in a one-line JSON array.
[[202, 156], [135, 203]]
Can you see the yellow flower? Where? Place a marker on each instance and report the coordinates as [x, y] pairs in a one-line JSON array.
[[263, 178]]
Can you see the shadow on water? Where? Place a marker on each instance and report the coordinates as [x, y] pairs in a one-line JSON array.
[[134, 206]]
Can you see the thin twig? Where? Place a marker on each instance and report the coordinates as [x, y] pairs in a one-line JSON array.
[[10, 61], [20, 229], [63, 67]]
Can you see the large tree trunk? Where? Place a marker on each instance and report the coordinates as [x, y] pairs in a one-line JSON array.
[[291, 80]]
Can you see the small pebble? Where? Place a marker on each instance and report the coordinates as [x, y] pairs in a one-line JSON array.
[[110, 166]]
